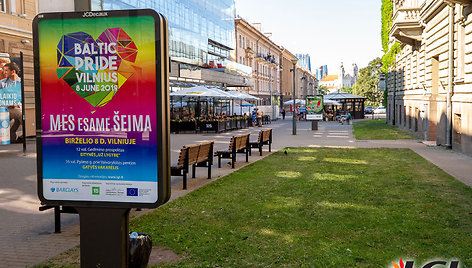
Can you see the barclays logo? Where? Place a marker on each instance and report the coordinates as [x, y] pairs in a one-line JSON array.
[[65, 189]]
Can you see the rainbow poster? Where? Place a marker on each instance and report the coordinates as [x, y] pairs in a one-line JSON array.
[[314, 107], [98, 111]]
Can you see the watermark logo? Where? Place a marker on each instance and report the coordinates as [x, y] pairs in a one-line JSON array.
[[132, 191], [431, 264], [94, 14], [95, 190]]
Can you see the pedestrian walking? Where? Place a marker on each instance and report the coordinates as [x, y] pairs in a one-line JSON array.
[[254, 117], [348, 118], [283, 114], [259, 117]]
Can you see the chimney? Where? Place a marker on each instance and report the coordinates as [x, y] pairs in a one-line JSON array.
[[258, 26]]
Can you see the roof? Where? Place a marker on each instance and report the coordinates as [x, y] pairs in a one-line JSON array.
[[330, 78], [339, 95]]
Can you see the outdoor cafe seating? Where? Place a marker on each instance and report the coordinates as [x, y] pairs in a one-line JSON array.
[[206, 109]]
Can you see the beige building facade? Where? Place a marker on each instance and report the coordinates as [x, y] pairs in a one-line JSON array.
[[256, 50], [16, 17], [430, 86], [271, 65]]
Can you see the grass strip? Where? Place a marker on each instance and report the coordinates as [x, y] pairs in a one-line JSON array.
[[320, 207], [377, 129]]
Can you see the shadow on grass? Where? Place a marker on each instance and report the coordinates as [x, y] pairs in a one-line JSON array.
[[320, 207]]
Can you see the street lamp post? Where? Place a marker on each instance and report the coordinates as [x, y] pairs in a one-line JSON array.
[[294, 123]]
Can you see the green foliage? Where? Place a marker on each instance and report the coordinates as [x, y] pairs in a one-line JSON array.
[[322, 90], [367, 83], [387, 13], [348, 90], [388, 59], [377, 130]]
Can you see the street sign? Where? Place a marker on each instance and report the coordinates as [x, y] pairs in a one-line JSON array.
[[382, 82], [102, 112], [314, 107]]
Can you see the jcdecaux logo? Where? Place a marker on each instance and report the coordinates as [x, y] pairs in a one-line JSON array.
[[431, 264], [64, 190]]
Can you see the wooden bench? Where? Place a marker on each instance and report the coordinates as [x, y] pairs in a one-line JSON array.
[[264, 138], [195, 155], [238, 144]]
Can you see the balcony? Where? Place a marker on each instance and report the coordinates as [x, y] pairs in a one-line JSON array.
[[249, 51], [462, 2], [407, 27], [266, 58]]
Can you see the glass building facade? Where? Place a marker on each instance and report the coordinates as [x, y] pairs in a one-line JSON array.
[[304, 61], [200, 30], [321, 72]]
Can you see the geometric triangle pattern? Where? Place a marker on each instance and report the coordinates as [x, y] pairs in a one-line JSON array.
[[88, 81]]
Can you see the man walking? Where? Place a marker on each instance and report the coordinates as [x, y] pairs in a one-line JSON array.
[[283, 113], [259, 117]]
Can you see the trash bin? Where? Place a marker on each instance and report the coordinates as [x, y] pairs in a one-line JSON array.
[[140, 246]]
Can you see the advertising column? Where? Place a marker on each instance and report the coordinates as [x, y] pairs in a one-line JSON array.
[[314, 110], [101, 98], [102, 114]]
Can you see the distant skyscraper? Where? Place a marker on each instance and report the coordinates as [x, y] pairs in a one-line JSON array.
[[321, 72], [304, 61]]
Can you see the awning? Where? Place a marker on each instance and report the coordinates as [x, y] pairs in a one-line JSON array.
[[331, 102], [242, 95], [297, 101], [201, 91]]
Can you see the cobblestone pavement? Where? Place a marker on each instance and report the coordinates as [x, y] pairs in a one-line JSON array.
[[27, 236]]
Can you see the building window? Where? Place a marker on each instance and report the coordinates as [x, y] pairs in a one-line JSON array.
[[400, 117], [457, 128], [12, 6], [417, 115], [409, 117], [404, 116], [435, 75], [2, 6]]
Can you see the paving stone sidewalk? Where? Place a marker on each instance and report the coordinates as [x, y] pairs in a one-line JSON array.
[[27, 236]]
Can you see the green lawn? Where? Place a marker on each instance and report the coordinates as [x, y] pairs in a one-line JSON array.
[[320, 207], [377, 130]]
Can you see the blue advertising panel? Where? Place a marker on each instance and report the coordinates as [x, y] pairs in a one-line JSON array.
[[10, 100]]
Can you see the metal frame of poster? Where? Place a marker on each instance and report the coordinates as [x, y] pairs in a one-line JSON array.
[[102, 108], [314, 107]]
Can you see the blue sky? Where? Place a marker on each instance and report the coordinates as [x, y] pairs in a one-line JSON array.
[[330, 31]]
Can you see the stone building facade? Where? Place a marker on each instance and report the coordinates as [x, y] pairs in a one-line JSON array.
[[271, 65], [16, 17], [256, 50], [430, 86]]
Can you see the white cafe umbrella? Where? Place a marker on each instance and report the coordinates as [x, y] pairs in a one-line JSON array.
[[200, 91], [331, 102], [242, 95], [297, 101]]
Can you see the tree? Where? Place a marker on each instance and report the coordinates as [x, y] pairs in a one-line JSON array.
[[348, 90], [368, 81], [322, 90]]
